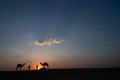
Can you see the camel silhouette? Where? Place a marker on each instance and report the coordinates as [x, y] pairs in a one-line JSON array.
[[20, 66], [45, 64]]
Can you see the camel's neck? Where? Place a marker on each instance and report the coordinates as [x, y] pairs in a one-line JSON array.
[[41, 63]]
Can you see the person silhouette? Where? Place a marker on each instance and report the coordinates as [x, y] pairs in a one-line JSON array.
[[29, 67], [36, 67]]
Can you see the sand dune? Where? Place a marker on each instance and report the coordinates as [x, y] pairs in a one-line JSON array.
[[63, 74]]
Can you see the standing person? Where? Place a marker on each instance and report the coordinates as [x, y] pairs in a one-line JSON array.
[[36, 67], [29, 67]]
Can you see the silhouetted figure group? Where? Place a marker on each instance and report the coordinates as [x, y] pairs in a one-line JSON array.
[[44, 66]]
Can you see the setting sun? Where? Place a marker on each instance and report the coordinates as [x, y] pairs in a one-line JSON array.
[[37, 67]]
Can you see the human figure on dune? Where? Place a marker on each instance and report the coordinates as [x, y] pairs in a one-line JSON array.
[[45, 64], [20, 66], [29, 67], [36, 67]]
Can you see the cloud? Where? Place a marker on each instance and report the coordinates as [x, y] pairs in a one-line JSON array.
[[48, 42]]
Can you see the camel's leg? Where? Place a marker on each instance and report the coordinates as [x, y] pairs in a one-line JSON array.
[[16, 68], [47, 66], [19, 68]]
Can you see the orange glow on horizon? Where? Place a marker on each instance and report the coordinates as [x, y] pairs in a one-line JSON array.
[[37, 68]]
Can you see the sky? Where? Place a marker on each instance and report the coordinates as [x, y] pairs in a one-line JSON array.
[[63, 33]]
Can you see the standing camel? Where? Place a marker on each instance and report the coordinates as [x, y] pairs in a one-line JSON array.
[[19, 66], [44, 64]]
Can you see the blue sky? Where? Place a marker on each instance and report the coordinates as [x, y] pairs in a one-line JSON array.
[[81, 33]]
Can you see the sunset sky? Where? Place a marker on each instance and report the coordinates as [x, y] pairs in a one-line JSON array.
[[64, 33]]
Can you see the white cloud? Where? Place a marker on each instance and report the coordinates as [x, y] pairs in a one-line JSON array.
[[48, 42]]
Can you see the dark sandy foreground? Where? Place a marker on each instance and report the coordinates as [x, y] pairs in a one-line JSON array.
[[63, 74]]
